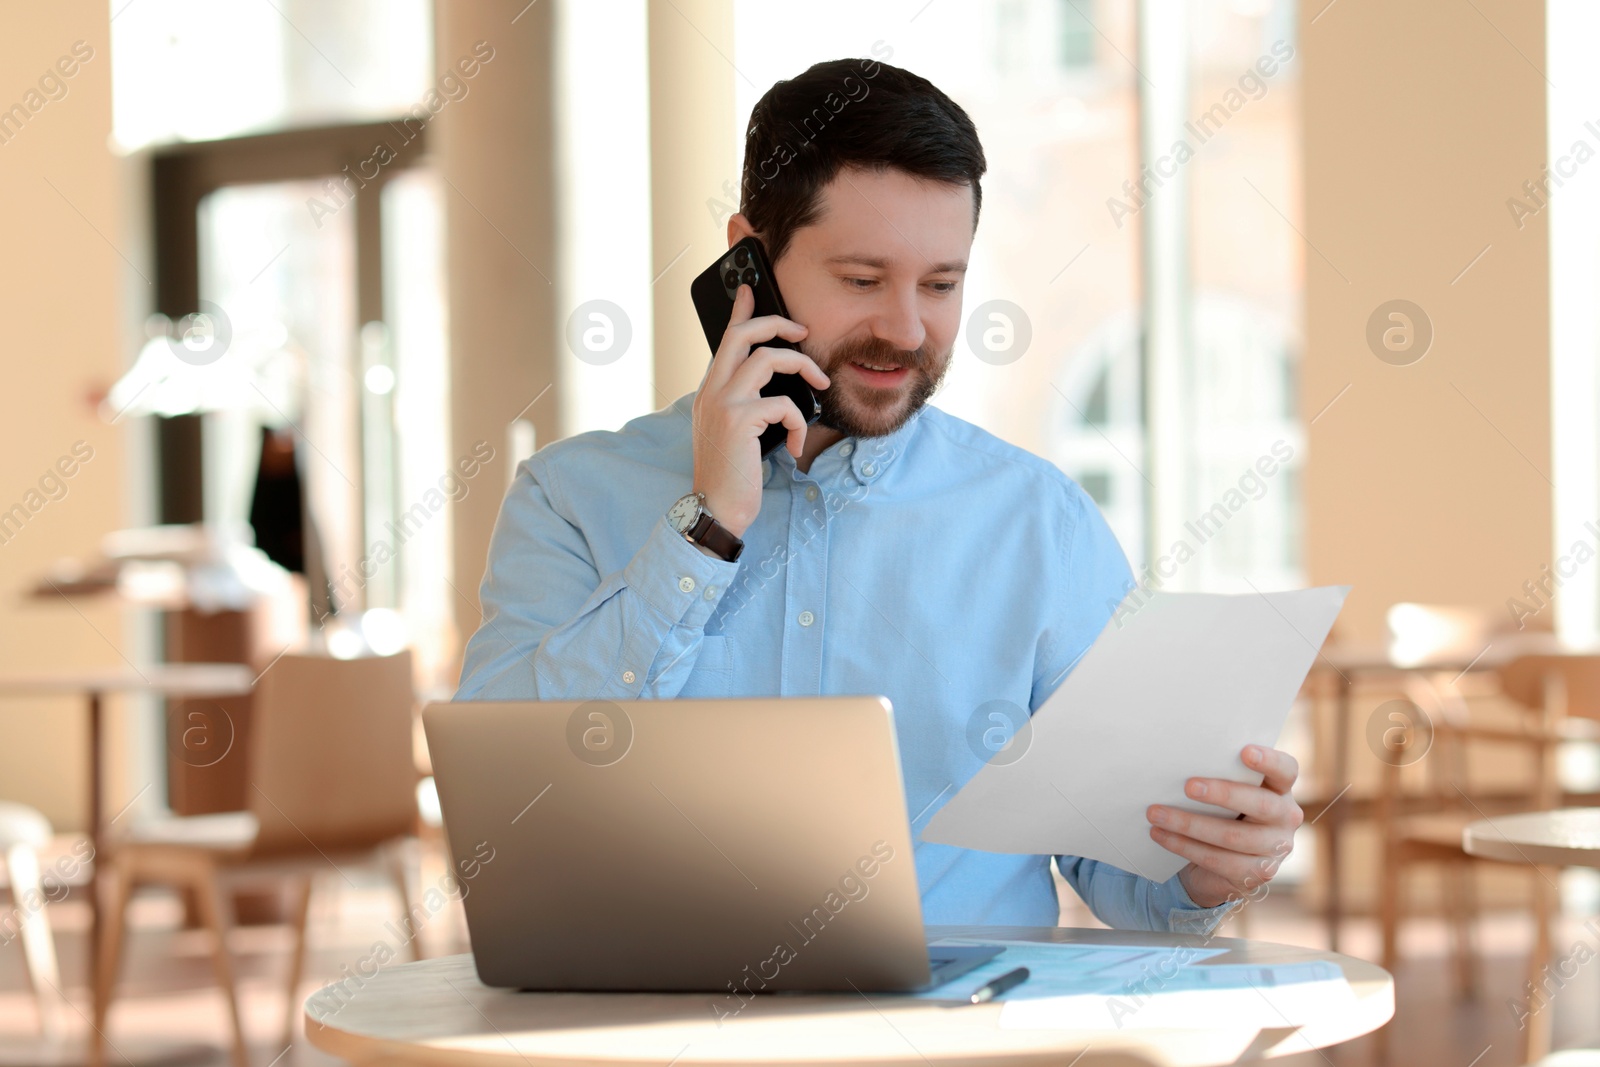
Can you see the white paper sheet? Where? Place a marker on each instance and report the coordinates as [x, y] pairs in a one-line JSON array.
[[1078, 986], [1170, 690], [1264, 996], [1058, 970]]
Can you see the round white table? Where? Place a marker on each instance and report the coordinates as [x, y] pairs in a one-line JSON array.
[[436, 1012], [1566, 837]]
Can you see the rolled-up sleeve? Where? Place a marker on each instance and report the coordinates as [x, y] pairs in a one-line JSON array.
[[1126, 901], [555, 628]]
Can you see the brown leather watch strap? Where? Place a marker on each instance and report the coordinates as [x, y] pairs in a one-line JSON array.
[[715, 536]]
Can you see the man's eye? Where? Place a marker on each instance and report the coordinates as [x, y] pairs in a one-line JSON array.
[[865, 283], [944, 287]]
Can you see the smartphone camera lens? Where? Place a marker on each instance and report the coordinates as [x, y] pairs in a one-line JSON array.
[[748, 276], [731, 279], [741, 257]]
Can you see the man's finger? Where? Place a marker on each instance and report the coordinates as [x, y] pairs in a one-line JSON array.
[[776, 409], [1255, 839], [723, 362], [1280, 768], [744, 338], [752, 332], [1253, 801], [1235, 867], [762, 363]]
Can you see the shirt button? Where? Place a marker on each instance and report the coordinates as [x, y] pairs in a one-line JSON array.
[[627, 677], [806, 618], [686, 583], [847, 448], [811, 492], [711, 592], [869, 469]]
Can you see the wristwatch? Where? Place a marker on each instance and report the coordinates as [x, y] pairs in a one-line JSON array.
[[690, 518]]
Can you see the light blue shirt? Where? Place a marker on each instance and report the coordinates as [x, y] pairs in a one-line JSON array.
[[938, 566]]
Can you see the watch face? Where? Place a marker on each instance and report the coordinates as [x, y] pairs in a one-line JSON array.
[[684, 512]]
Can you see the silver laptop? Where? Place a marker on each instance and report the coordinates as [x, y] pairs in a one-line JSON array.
[[734, 846]]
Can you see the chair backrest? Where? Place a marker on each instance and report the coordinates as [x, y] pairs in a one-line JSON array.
[[1420, 632], [1570, 681], [22, 825], [331, 758]]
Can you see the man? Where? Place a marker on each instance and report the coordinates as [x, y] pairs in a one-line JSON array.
[[889, 549]]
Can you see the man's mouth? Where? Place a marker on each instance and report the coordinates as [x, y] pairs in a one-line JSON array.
[[879, 374]]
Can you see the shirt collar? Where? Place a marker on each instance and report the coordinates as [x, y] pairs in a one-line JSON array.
[[867, 457]]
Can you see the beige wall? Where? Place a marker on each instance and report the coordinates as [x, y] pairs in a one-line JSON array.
[[500, 254], [63, 291], [1426, 482], [694, 162]]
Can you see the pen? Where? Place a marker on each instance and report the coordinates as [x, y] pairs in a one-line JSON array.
[[1009, 980]]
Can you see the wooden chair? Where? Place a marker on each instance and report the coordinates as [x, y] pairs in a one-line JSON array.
[[23, 832], [332, 783], [1417, 633], [1560, 699]]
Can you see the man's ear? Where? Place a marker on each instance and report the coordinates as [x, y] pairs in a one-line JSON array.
[[738, 228]]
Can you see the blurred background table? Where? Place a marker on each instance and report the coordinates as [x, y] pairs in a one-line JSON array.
[[164, 679], [1567, 837]]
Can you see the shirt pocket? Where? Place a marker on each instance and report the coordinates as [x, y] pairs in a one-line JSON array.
[[713, 668]]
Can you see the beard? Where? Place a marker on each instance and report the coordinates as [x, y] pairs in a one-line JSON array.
[[856, 409]]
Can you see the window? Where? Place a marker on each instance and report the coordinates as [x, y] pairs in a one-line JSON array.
[[1076, 35], [1571, 29], [180, 70]]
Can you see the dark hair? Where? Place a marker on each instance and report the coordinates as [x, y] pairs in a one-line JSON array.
[[849, 112]]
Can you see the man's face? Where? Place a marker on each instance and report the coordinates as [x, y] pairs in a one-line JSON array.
[[877, 280]]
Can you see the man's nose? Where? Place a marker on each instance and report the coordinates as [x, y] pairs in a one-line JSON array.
[[899, 323]]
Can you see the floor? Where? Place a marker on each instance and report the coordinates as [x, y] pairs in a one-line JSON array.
[[166, 990]]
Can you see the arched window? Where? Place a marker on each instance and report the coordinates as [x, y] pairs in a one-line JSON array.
[[1241, 479]]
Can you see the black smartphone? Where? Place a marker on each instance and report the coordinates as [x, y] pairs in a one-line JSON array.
[[713, 293]]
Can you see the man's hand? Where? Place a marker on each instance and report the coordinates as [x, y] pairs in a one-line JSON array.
[[1233, 857], [730, 414]]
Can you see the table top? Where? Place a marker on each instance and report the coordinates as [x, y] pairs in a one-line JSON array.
[[1567, 837], [168, 679], [1497, 650], [437, 1012]]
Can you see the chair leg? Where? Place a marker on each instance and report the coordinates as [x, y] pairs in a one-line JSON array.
[[1327, 851], [1389, 889], [118, 885], [1455, 896], [1537, 1036], [38, 946], [397, 858], [1469, 920], [1391, 885], [299, 918], [213, 913]]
